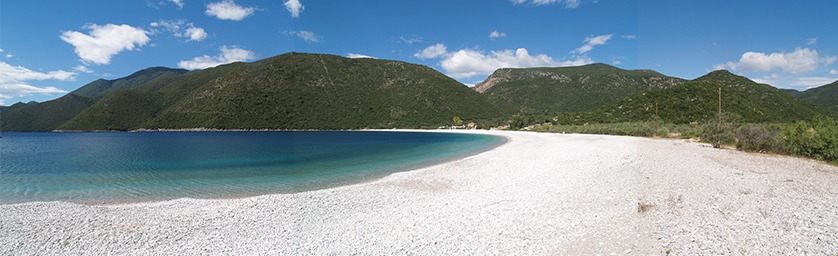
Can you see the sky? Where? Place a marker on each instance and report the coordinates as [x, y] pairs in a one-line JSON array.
[[49, 48]]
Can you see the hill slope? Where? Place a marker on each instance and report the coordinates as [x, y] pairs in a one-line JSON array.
[[697, 100], [569, 89], [291, 91], [102, 87], [826, 95], [48, 115]]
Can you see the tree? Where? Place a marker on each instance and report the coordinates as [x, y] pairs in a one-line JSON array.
[[458, 121]]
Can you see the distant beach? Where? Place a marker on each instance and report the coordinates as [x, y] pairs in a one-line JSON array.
[[540, 193]]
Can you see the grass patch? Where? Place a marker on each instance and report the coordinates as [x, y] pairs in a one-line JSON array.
[[817, 139]]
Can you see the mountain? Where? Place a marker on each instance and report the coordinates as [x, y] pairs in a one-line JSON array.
[[43, 116], [101, 87], [698, 100], [291, 91], [569, 89], [47, 116], [826, 95]]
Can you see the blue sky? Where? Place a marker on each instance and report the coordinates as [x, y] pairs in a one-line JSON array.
[[52, 47]]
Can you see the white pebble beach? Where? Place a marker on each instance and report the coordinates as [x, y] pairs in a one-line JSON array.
[[538, 194]]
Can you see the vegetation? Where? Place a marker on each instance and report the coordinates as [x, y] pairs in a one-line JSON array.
[[698, 101], [816, 138], [49, 115], [292, 91], [43, 116], [826, 95], [548, 91]]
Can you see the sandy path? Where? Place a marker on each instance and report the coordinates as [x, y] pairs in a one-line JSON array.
[[538, 194]]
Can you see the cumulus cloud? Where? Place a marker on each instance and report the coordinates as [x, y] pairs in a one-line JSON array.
[[496, 34], [196, 34], [294, 7], [103, 42], [179, 3], [800, 60], [359, 56], [468, 63], [432, 51], [811, 41], [226, 55], [13, 81], [567, 3], [180, 28], [590, 42], [307, 36], [833, 72], [229, 10]]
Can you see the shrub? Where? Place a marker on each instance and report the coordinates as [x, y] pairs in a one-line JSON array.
[[817, 139], [761, 138]]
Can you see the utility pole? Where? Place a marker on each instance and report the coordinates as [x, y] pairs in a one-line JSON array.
[[656, 119], [720, 107]]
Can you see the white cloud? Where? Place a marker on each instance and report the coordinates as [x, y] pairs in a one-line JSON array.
[[411, 39], [496, 34], [800, 60], [567, 3], [590, 42], [179, 3], [811, 41], [833, 72], [828, 60], [229, 10], [432, 51], [180, 28], [196, 34], [813, 81], [307, 36], [227, 55], [8, 54], [359, 56], [104, 42], [769, 79], [629, 37], [83, 69], [468, 63], [294, 7], [13, 81]]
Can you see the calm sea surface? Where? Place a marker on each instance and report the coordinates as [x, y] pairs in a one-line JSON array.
[[127, 167]]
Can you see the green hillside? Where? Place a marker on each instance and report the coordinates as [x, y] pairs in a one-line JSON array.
[[826, 95], [47, 116], [102, 87], [291, 91], [569, 89], [698, 100], [43, 116]]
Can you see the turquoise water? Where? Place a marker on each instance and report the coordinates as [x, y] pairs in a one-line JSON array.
[[128, 167]]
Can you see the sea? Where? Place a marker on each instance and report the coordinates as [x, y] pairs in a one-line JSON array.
[[117, 167]]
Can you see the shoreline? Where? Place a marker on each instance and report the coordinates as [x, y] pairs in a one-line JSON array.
[[538, 193]]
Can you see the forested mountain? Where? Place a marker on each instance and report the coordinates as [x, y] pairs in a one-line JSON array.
[[698, 100], [48, 115], [291, 91], [826, 95], [569, 89]]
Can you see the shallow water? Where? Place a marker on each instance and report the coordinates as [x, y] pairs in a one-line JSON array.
[[127, 167]]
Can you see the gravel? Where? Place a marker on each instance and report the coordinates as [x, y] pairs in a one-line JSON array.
[[537, 194]]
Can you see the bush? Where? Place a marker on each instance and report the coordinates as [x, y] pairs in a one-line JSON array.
[[817, 139], [760, 138]]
